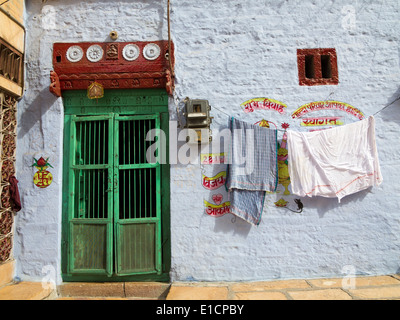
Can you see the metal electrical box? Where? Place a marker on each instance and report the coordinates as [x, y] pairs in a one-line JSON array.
[[198, 119]]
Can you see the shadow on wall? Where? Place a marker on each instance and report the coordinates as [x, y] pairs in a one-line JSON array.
[[324, 205], [230, 223], [34, 111]]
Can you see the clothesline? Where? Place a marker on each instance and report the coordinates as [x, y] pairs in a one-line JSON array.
[[398, 98], [334, 175]]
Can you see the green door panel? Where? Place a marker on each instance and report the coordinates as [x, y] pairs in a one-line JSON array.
[[137, 199], [91, 203]]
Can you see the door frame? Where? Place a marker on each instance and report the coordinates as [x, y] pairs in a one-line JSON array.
[[126, 102]]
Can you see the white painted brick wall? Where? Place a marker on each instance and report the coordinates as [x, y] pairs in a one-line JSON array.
[[229, 52]]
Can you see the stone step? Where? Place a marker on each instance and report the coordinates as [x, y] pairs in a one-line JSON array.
[[26, 291], [22, 290], [109, 290], [6, 272]]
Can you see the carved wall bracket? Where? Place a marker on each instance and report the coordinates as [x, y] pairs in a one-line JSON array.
[[55, 84], [123, 65]]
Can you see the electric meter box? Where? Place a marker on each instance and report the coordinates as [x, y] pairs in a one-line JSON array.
[[198, 118], [197, 114]]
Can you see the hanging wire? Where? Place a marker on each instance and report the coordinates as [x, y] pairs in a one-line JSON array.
[[388, 105], [169, 41]]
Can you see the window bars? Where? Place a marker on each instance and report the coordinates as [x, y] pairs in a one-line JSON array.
[[8, 125]]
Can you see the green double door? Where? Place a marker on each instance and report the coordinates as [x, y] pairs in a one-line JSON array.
[[114, 219]]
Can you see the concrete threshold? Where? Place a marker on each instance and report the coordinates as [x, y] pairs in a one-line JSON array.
[[114, 290]]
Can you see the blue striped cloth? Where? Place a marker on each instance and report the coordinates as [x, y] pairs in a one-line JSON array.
[[252, 168]]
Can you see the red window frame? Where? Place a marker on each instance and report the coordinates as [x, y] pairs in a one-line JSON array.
[[317, 67]]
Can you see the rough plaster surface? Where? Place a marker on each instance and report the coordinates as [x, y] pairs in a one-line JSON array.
[[229, 52]]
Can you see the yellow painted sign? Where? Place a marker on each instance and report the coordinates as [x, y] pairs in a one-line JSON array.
[[212, 158], [327, 105], [263, 104], [217, 210], [321, 121], [214, 182], [42, 178]]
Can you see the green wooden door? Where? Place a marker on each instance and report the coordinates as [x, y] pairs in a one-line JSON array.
[[90, 199], [115, 199], [137, 197]]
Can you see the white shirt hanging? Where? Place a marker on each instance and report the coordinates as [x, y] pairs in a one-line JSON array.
[[334, 162]]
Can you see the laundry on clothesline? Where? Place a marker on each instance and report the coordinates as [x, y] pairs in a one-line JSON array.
[[252, 170], [335, 162]]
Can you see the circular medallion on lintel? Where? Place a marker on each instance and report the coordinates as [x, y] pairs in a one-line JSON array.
[[74, 53], [94, 53], [151, 51], [130, 52]]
